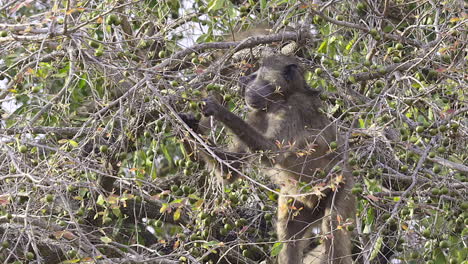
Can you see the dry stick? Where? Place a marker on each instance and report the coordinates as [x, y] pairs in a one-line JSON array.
[[405, 193], [66, 131], [365, 29], [100, 15], [28, 65], [237, 45], [61, 92]]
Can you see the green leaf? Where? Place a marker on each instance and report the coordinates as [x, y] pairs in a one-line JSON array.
[[438, 256], [166, 153], [362, 123], [387, 29], [212, 244], [73, 143], [275, 250], [377, 247], [82, 82], [323, 46], [369, 221], [177, 214], [214, 5], [163, 208], [177, 201], [263, 4], [100, 201], [106, 240], [117, 212]]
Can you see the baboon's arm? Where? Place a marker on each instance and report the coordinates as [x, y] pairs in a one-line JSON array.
[[235, 156], [246, 133]]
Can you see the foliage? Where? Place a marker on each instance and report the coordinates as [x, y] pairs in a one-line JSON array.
[[94, 160]]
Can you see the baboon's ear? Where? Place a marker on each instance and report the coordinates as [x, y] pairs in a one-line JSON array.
[[290, 71]]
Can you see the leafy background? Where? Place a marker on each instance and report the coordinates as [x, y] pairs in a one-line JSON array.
[[94, 160]]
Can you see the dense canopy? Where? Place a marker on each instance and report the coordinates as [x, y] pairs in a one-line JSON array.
[[97, 166]]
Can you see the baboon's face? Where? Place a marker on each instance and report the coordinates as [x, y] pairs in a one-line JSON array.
[[276, 79]]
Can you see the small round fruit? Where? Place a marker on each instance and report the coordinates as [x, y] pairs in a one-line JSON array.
[[228, 227], [193, 105], [22, 149], [94, 44], [29, 255], [441, 149], [361, 6], [323, 96], [444, 244], [111, 19], [352, 79], [227, 97], [36, 89], [444, 190], [223, 231], [49, 198], [414, 255], [98, 53], [404, 168], [103, 149], [333, 145], [318, 71], [399, 46], [356, 190], [419, 129], [464, 206], [454, 126], [162, 54], [3, 33], [158, 223], [318, 19], [5, 244], [426, 233], [374, 32]]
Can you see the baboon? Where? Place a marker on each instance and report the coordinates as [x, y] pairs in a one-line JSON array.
[[285, 126]]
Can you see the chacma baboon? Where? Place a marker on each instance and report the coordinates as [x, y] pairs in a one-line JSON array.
[[286, 127]]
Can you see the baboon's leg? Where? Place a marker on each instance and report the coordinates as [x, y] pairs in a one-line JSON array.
[[340, 206], [290, 228]]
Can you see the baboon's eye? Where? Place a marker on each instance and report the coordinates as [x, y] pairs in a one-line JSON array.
[[289, 71]]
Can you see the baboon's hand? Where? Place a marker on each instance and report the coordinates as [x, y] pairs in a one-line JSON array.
[[190, 120], [210, 106]]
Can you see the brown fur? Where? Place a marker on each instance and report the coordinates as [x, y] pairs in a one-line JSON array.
[[285, 124]]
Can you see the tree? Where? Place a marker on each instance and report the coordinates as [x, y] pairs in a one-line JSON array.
[[93, 161]]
